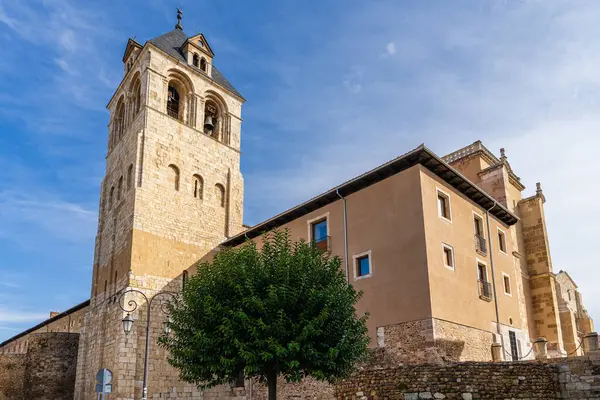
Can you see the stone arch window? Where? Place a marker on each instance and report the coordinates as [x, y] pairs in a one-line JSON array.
[[216, 118], [184, 279], [181, 103], [220, 194], [174, 176], [198, 187], [136, 92], [196, 60], [111, 197], [120, 189], [173, 102], [119, 120], [130, 177], [203, 64]]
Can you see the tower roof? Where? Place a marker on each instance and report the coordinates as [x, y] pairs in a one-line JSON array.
[[171, 43]]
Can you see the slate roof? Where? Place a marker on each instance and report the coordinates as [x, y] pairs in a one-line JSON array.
[[171, 43]]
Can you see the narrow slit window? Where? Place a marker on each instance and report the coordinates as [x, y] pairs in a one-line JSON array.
[[507, 288]]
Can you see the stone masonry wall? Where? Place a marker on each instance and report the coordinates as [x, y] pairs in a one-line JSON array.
[[12, 374], [463, 381], [434, 341], [50, 366]]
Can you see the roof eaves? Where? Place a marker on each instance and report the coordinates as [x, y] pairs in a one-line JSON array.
[[421, 155]]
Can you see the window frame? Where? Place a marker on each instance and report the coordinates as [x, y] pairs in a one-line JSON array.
[[503, 233], [445, 247], [476, 215], [355, 261], [446, 196], [479, 261], [314, 221], [504, 277]]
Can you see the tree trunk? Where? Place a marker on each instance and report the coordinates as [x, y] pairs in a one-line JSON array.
[[272, 384]]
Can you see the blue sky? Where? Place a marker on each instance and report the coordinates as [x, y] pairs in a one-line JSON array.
[[333, 87]]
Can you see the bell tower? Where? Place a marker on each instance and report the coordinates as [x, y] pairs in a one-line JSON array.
[[171, 193]]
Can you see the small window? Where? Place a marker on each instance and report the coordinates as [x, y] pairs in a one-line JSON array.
[[203, 64], [507, 288], [319, 231], [196, 60], [120, 189], [130, 177], [198, 187], [448, 256], [478, 225], [482, 272], [239, 380], [502, 241], [569, 294], [184, 278], [220, 194], [443, 205], [174, 177], [363, 266]]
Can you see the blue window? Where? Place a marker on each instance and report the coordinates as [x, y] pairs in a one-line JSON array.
[[319, 231], [363, 266]]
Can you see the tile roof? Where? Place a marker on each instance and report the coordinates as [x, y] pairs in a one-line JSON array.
[[171, 43]]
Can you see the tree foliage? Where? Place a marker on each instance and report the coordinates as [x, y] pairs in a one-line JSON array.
[[282, 310]]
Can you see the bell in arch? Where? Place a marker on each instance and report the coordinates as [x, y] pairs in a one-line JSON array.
[[208, 123]]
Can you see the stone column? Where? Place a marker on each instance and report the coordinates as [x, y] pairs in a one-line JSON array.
[[590, 342], [540, 348], [496, 352]]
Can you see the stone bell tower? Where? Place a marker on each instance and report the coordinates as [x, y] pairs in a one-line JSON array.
[[171, 193]]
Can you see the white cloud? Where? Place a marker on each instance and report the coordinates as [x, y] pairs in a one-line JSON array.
[[16, 316], [390, 49], [519, 75]]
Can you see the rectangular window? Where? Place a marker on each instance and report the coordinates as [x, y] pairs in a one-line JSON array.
[[506, 281], [502, 241], [448, 256], [319, 230], [478, 225], [514, 352], [443, 205], [485, 288], [363, 266]]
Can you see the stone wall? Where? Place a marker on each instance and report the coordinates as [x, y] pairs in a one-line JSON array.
[[50, 366], [463, 381], [12, 375], [433, 340], [46, 371]]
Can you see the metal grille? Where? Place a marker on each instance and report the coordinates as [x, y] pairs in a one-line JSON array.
[[485, 290], [480, 244]]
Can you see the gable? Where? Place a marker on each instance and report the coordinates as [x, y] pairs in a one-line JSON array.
[[199, 42], [131, 45]]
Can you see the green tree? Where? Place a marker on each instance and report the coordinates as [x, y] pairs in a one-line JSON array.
[[282, 310]]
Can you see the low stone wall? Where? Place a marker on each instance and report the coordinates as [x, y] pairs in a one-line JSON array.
[[12, 375], [464, 381]]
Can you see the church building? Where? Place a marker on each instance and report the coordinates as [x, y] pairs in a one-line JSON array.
[[451, 253]]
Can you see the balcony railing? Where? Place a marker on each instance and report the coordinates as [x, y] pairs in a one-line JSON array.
[[485, 290], [323, 243], [480, 244]]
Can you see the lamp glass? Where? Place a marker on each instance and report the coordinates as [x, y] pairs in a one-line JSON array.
[[127, 323]]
